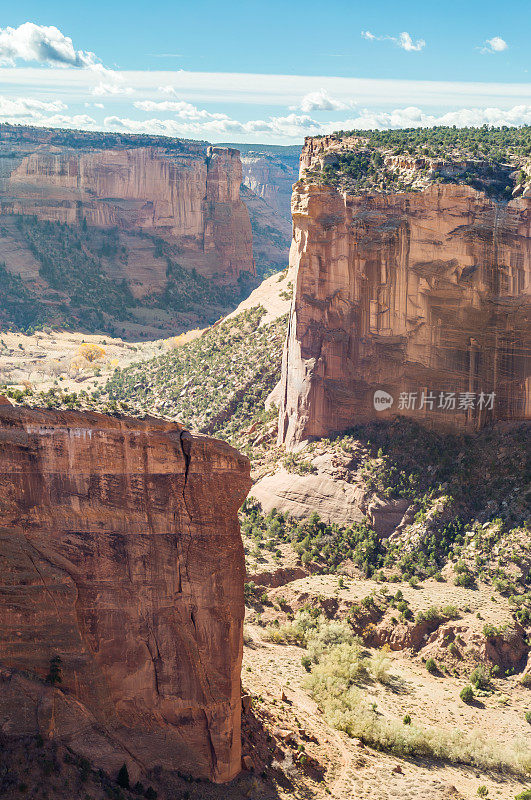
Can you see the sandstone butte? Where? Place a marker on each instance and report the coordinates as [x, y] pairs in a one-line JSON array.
[[121, 554], [407, 292], [182, 191]]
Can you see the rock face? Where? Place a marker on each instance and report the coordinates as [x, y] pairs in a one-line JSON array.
[[269, 173], [415, 295], [121, 554], [184, 192], [271, 177]]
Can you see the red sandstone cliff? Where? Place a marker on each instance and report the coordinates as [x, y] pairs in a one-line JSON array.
[[187, 194], [416, 293], [121, 554]]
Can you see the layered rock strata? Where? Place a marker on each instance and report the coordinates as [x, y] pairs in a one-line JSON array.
[[122, 557], [413, 303], [184, 192]]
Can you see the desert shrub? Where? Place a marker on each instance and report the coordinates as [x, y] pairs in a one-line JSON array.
[[334, 684], [379, 668], [123, 777], [431, 666], [467, 694], [55, 671], [327, 635], [480, 677], [294, 632]]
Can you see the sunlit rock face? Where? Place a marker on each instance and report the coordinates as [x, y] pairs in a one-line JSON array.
[[121, 554], [408, 303], [186, 193]]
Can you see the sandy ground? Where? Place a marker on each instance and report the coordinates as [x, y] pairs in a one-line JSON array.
[[355, 771], [43, 360]]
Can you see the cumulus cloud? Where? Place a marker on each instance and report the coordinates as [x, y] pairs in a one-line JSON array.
[[111, 87], [494, 45], [23, 108], [292, 126], [406, 43], [321, 101], [403, 40], [29, 111], [42, 43], [180, 108], [414, 117]]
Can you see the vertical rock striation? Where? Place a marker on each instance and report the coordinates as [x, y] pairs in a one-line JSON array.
[[121, 554], [183, 192], [410, 293]]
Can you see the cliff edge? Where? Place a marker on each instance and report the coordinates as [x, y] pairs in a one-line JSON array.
[[411, 299], [121, 597]]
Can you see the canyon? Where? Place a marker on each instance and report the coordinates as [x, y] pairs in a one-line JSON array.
[[188, 193], [417, 299], [130, 235], [121, 597], [269, 173]]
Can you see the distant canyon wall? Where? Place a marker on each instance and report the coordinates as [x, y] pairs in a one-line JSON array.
[[421, 297], [121, 555], [267, 185], [271, 177], [189, 194]]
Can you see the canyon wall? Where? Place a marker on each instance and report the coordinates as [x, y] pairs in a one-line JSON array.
[[121, 555], [411, 303], [184, 192], [271, 177], [268, 174]]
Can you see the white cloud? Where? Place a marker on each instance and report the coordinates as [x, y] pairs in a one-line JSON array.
[[403, 40], [42, 43], [253, 91], [167, 90], [320, 101], [406, 43], [110, 88], [494, 45], [26, 108], [292, 126], [180, 108], [29, 111], [191, 122], [414, 117]]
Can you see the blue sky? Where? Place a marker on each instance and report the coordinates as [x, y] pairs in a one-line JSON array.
[[264, 72]]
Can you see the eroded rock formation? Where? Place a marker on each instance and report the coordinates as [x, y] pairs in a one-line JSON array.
[[271, 177], [121, 554], [184, 192], [423, 296]]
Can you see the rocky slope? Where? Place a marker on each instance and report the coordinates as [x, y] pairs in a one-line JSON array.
[[422, 296], [121, 599]]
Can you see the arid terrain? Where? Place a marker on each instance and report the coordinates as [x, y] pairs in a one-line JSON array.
[[387, 574]]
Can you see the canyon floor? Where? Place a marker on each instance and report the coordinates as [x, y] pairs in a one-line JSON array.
[[343, 767], [219, 381]]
